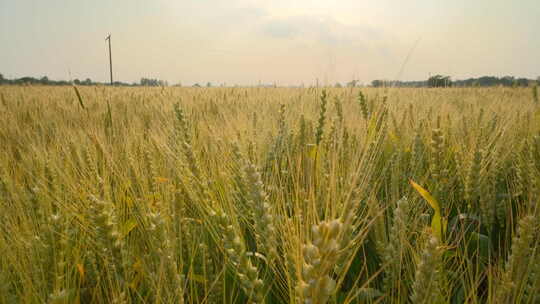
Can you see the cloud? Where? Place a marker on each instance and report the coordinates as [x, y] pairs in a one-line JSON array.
[[324, 30], [327, 31]]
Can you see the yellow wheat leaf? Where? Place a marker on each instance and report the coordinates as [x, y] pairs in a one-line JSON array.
[[80, 269], [438, 223], [427, 196], [161, 179], [128, 226]]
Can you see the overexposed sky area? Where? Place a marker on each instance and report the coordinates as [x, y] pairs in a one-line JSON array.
[[282, 41]]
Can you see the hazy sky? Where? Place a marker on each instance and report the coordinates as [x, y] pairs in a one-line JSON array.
[[286, 41]]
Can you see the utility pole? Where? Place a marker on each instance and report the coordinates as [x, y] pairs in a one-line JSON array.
[[110, 56]]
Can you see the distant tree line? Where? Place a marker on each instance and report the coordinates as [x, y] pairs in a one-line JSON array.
[[87, 82], [153, 82], [446, 81], [31, 80], [487, 81], [433, 81]]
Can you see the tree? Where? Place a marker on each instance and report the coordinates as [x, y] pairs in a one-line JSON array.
[[352, 83], [209, 84], [149, 82], [507, 81], [377, 83], [153, 82], [439, 81], [44, 80], [338, 85], [26, 80], [522, 82], [77, 81]]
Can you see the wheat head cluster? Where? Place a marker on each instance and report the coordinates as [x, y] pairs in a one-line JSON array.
[[269, 195]]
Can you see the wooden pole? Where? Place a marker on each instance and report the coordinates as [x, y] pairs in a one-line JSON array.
[[110, 57]]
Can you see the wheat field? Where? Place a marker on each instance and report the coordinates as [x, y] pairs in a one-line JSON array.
[[269, 195]]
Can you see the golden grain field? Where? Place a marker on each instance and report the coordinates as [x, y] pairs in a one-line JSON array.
[[269, 195]]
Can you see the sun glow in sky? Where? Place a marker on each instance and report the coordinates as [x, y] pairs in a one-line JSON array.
[[282, 41]]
